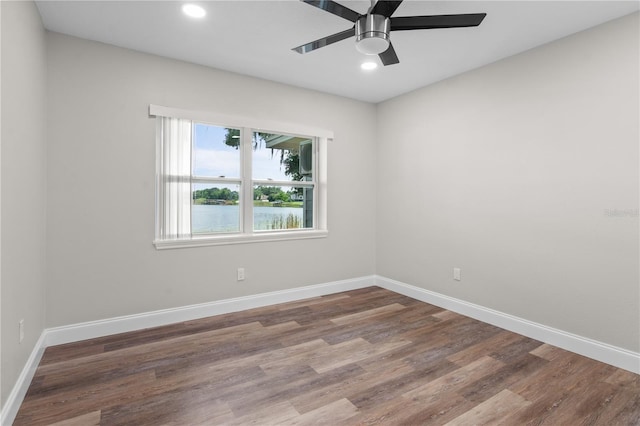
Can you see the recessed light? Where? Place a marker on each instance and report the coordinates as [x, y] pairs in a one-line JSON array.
[[369, 65], [194, 11]]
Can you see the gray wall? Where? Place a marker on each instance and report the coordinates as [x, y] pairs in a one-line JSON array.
[[524, 174], [23, 172], [100, 210]]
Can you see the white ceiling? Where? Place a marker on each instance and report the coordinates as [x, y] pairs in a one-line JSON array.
[[256, 37]]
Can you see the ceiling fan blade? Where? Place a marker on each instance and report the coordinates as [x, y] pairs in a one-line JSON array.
[[385, 8], [335, 8], [401, 23], [389, 57], [325, 41]]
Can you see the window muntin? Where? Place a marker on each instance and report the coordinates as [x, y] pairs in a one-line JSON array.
[[222, 176]]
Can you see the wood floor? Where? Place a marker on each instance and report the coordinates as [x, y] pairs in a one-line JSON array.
[[361, 357]]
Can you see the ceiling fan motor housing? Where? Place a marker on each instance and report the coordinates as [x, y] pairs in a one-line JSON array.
[[372, 34]]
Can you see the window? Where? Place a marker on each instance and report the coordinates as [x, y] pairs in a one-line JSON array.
[[221, 180]]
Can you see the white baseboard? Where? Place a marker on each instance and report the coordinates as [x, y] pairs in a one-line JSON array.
[[599, 351], [11, 406]]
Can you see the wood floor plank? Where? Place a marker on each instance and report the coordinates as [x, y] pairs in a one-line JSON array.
[[352, 387], [404, 411], [473, 352], [624, 378], [503, 378], [548, 352], [274, 415], [492, 410], [393, 388], [371, 313], [338, 358], [509, 352], [89, 419], [454, 380], [55, 354], [285, 388], [447, 315], [334, 413], [438, 412], [279, 361], [276, 359], [367, 356]]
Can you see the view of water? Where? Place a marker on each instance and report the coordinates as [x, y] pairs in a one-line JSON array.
[[212, 218]]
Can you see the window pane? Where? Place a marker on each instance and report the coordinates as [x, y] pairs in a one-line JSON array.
[[215, 208], [282, 207], [277, 157], [216, 151]]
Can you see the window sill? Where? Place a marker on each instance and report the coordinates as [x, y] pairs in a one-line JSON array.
[[239, 239]]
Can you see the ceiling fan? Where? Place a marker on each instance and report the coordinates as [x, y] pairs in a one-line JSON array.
[[372, 29]]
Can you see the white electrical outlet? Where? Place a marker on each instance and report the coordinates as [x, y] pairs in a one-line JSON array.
[[21, 330], [240, 274], [456, 274]]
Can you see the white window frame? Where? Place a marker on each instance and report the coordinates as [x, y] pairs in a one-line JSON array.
[[247, 127]]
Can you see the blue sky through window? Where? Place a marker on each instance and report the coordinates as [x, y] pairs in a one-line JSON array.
[[213, 158]]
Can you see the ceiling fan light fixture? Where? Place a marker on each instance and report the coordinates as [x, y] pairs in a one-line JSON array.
[[372, 34], [372, 45], [368, 66], [193, 10]]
